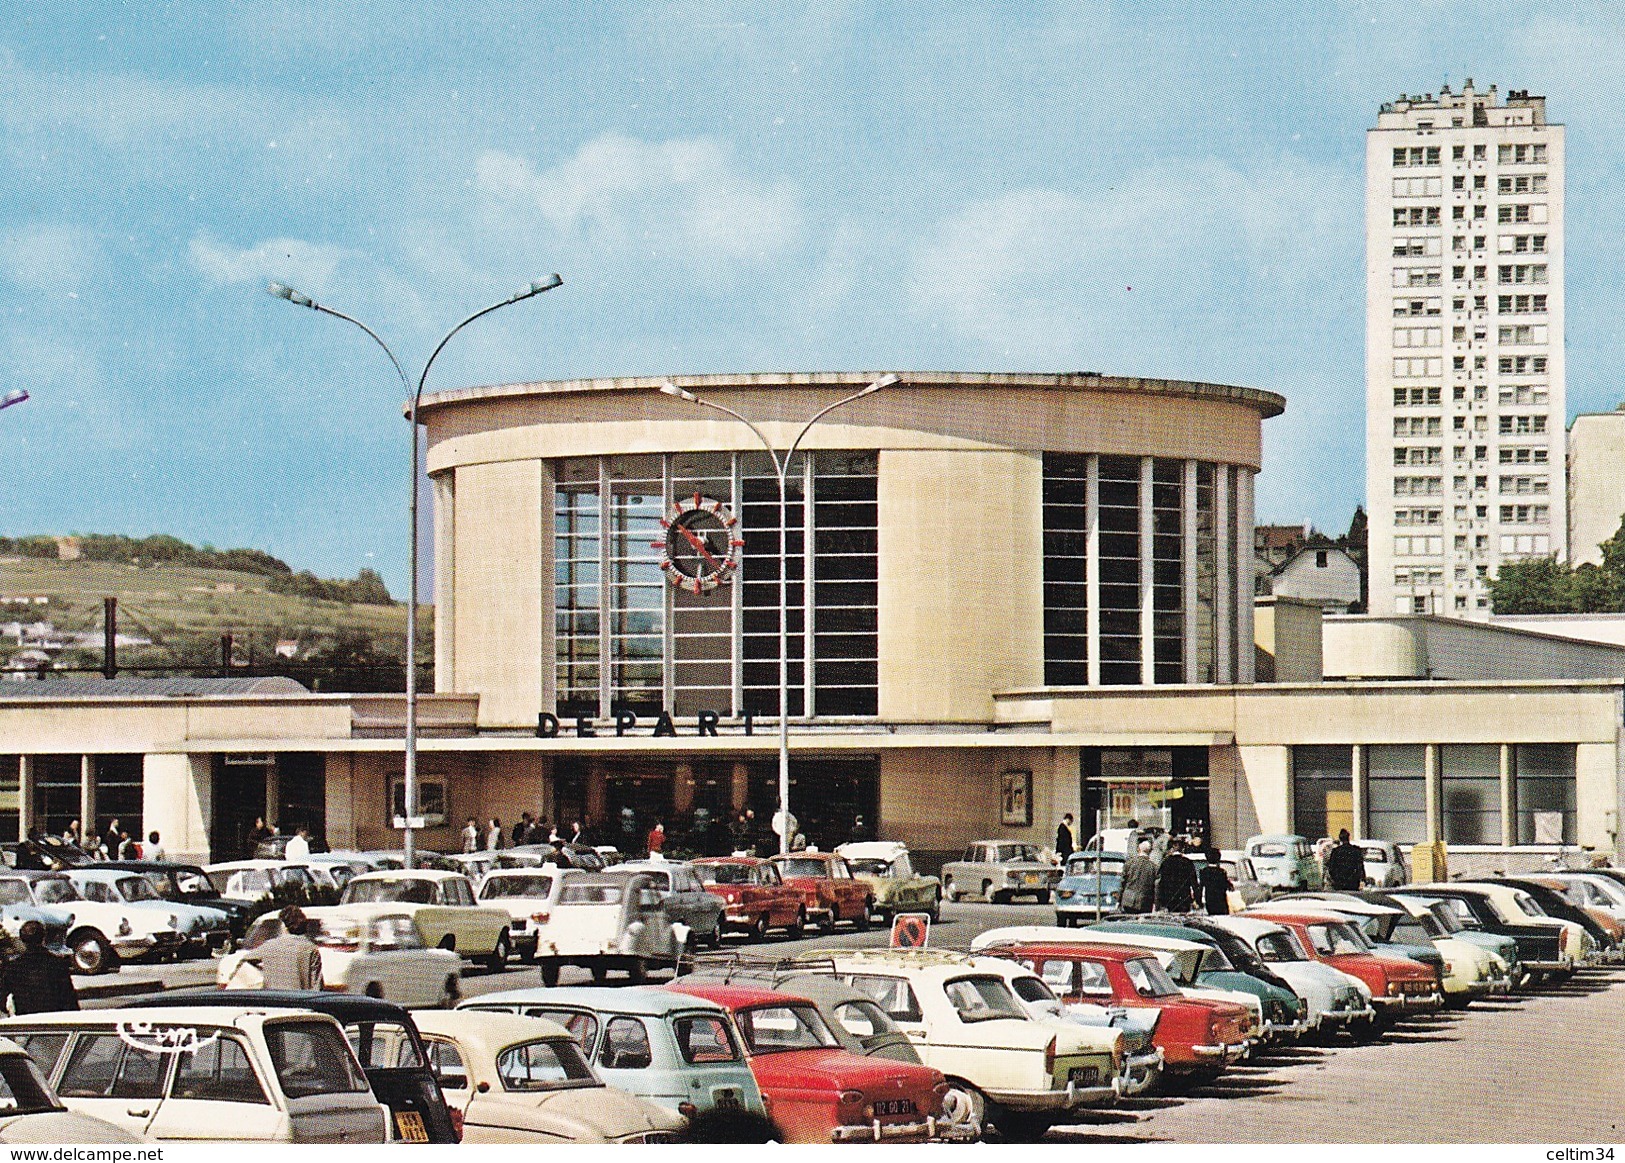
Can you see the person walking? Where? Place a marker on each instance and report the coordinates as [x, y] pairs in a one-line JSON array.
[[1345, 864], [111, 839], [154, 849], [1176, 880], [1139, 882], [1215, 883], [1063, 838], [471, 836], [71, 836], [493, 835], [292, 960], [298, 850], [657, 838], [36, 980]]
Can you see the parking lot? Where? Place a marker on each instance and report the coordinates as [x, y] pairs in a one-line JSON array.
[[1542, 1068]]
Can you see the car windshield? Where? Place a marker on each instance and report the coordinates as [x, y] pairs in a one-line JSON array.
[[590, 894], [22, 1088], [1375, 855], [1279, 947], [529, 885], [1332, 939], [137, 888], [723, 873], [982, 999], [340, 933], [1215, 961], [1083, 864], [545, 1064], [870, 867], [405, 890], [1446, 917], [1015, 854], [775, 1028], [1528, 904], [808, 868], [1269, 851], [189, 881], [13, 892], [50, 890], [1150, 978]]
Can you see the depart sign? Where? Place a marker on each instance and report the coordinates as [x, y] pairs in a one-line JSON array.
[[548, 725]]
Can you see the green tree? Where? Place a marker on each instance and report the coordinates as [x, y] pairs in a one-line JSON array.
[[1543, 585]]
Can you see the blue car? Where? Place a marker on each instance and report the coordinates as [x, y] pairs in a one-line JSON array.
[[1082, 896], [17, 906]]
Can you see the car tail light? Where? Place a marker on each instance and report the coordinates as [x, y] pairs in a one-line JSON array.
[[767, 1104], [457, 1123], [1049, 1057]]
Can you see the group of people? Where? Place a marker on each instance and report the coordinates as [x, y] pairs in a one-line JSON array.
[[1173, 884], [113, 843]]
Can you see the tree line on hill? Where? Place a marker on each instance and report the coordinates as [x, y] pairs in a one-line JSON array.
[[366, 588]]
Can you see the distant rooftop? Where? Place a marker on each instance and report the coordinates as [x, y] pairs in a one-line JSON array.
[[96, 687]]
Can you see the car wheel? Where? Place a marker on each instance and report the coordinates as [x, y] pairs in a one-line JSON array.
[[1062, 921], [451, 994], [861, 921], [498, 961], [1367, 1030], [964, 1110], [637, 971], [448, 942], [1043, 898], [759, 929], [550, 973], [714, 939], [797, 928], [91, 952]]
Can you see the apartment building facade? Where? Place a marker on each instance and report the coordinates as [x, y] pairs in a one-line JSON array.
[[1465, 380]]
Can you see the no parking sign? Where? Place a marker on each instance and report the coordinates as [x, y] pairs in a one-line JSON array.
[[910, 931]]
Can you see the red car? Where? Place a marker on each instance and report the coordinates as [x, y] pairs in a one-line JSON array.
[[1397, 985], [754, 897], [816, 1091], [1194, 1034], [827, 885]]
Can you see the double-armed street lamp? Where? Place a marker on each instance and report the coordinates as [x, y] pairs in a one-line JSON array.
[[414, 399], [781, 467]]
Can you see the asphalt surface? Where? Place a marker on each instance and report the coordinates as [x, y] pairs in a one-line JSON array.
[[1545, 1068]]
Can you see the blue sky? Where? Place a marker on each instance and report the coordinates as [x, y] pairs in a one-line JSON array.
[[1163, 190]]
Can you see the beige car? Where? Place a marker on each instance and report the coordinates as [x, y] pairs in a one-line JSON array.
[[444, 907], [524, 1080]]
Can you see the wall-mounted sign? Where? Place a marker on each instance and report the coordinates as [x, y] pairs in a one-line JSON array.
[[702, 544]]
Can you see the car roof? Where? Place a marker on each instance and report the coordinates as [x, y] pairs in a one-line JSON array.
[[151, 866], [1251, 840], [258, 863], [872, 849], [346, 1007], [34, 873], [746, 860], [229, 1013], [97, 873], [1363, 908], [1250, 927], [408, 874], [1304, 916], [733, 997], [644, 999], [1075, 949], [489, 1031]]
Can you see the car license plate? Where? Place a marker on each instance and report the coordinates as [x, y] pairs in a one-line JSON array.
[[1029, 878], [409, 1127], [1086, 1075], [727, 1098], [894, 1106]]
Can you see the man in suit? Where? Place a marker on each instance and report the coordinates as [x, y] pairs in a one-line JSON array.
[[37, 980], [1064, 845]]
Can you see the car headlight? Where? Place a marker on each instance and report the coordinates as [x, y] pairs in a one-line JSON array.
[[1066, 894]]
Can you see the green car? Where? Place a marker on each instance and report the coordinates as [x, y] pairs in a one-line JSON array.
[[1285, 1015]]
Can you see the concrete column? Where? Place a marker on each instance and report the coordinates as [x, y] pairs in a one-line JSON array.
[[25, 795], [1244, 576], [87, 796], [175, 803], [1148, 614], [1357, 790], [1434, 794], [1187, 532], [445, 579], [1091, 497], [1224, 594], [1509, 798], [741, 787], [273, 796], [596, 785]]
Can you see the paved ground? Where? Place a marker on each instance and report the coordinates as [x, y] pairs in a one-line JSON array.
[[1541, 1069]]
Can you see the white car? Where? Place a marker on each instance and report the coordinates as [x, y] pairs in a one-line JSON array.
[[529, 895], [31, 1112], [377, 952], [443, 903], [105, 931], [207, 1073], [249, 880], [201, 928]]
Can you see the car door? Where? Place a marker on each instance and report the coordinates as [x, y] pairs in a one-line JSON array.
[[114, 1078], [215, 1093]]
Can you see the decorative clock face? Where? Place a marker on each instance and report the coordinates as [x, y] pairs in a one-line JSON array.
[[702, 544]]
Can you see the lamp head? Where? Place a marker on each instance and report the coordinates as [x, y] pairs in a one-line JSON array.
[[15, 396], [537, 287], [672, 389], [884, 381], [283, 291]]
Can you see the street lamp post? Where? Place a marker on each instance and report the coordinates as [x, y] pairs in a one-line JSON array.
[[414, 398], [780, 469]]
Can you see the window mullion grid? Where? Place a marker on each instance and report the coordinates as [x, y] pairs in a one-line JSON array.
[[808, 708], [606, 586], [668, 644], [1091, 500], [1187, 531], [737, 599], [1148, 604]]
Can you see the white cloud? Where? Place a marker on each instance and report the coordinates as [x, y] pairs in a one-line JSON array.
[[41, 256], [309, 266], [687, 199]]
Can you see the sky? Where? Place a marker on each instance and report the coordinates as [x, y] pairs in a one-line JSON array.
[[1164, 190]]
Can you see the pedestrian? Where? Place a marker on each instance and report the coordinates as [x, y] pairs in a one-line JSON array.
[[575, 832], [112, 838], [37, 980], [1215, 885], [1176, 880], [521, 830], [540, 832], [298, 850], [493, 835], [258, 833], [1345, 864], [657, 838], [154, 849], [471, 836], [30, 854], [71, 836], [1063, 838], [292, 960], [1139, 882], [558, 856], [126, 847]]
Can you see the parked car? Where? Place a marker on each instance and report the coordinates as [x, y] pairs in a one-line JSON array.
[[276, 847], [894, 886], [1283, 861], [1376, 924], [1245, 887], [201, 927], [605, 921], [1005, 1068], [1334, 999], [827, 886], [1502, 950], [754, 896], [1385, 864], [188, 884], [17, 907], [32, 1112], [47, 854], [103, 932], [524, 1080], [336, 871], [249, 880], [384, 1038], [376, 953], [1090, 888], [394, 860], [474, 865], [1197, 1038], [687, 901], [1000, 870], [1591, 890], [1602, 931], [581, 856], [818, 1092], [248, 1073], [1547, 947], [529, 895], [673, 1050], [443, 903]]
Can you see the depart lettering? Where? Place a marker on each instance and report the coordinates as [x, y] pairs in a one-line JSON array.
[[705, 723]]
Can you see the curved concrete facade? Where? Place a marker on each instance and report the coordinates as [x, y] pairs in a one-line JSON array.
[[959, 491]]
